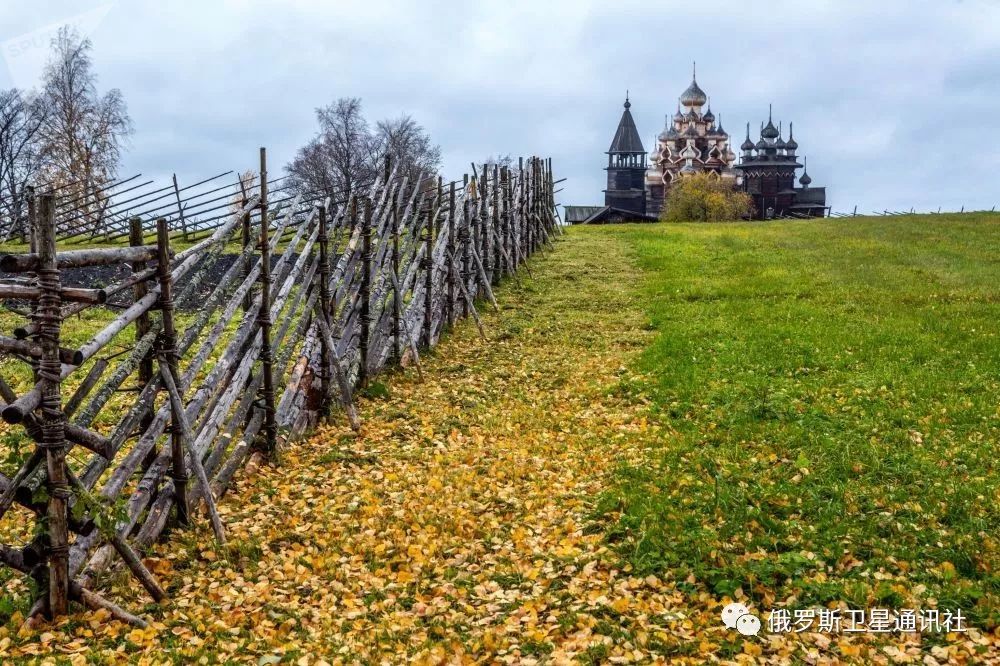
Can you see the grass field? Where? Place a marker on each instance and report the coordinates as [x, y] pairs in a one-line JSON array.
[[664, 418], [832, 389]]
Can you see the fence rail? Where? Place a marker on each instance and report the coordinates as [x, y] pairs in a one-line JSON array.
[[912, 211], [325, 294]]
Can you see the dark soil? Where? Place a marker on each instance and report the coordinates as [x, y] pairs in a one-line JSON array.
[[97, 277]]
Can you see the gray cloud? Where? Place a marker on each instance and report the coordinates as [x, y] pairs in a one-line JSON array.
[[894, 102]]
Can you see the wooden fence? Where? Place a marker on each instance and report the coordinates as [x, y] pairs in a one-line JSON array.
[[912, 211], [326, 294]]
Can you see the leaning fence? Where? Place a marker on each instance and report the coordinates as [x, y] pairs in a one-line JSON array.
[[313, 298]]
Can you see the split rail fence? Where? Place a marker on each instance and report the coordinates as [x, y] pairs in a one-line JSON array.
[[321, 296]]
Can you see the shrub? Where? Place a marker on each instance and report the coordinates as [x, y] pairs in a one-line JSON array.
[[703, 197]]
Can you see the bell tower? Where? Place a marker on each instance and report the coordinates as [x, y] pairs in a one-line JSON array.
[[626, 167]]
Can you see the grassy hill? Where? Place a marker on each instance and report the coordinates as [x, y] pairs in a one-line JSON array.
[[833, 392]]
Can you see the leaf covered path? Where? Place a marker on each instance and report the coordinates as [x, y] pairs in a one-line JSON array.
[[452, 527]]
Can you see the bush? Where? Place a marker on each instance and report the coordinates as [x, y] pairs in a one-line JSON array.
[[703, 197]]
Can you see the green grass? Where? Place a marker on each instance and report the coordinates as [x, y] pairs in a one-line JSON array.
[[833, 391]]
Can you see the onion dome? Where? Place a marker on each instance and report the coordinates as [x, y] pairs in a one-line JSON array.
[[654, 154], [769, 131], [791, 143], [694, 95], [678, 117], [709, 117], [805, 180], [747, 143], [718, 128], [669, 134], [780, 143], [761, 145]]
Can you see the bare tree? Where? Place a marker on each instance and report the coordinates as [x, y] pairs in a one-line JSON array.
[[84, 133], [408, 146], [341, 158], [21, 119], [501, 161]]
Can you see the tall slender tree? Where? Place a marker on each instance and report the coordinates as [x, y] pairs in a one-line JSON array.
[[84, 133]]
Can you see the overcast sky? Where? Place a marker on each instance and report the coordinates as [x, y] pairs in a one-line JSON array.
[[896, 103]]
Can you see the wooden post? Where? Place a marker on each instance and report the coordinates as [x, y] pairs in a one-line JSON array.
[[365, 291], [437, 203], [48, 316], [139, 290], [264, 315], [397, 302], [504, 218], [483, 237], [247, 240], [32, 228], [550, 192], [452, 268], [522, 230], [180, 209], [188, 438], [533, 206], [168, 350], [495, 237], [324, 297], [427, 265], [465, 247]]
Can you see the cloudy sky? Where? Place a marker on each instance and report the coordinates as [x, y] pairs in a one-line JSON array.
[[896, 103]]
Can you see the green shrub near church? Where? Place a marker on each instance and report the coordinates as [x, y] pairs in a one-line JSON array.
[[704, 197]]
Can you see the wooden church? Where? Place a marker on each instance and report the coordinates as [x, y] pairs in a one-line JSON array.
[[694, 141]]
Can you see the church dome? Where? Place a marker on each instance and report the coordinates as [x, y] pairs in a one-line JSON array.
[[791, 144], [747, 144], [769, 131], [669, 134], [780, 143], [761, 145], [805, 179], [709, 117], [694, 95]]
